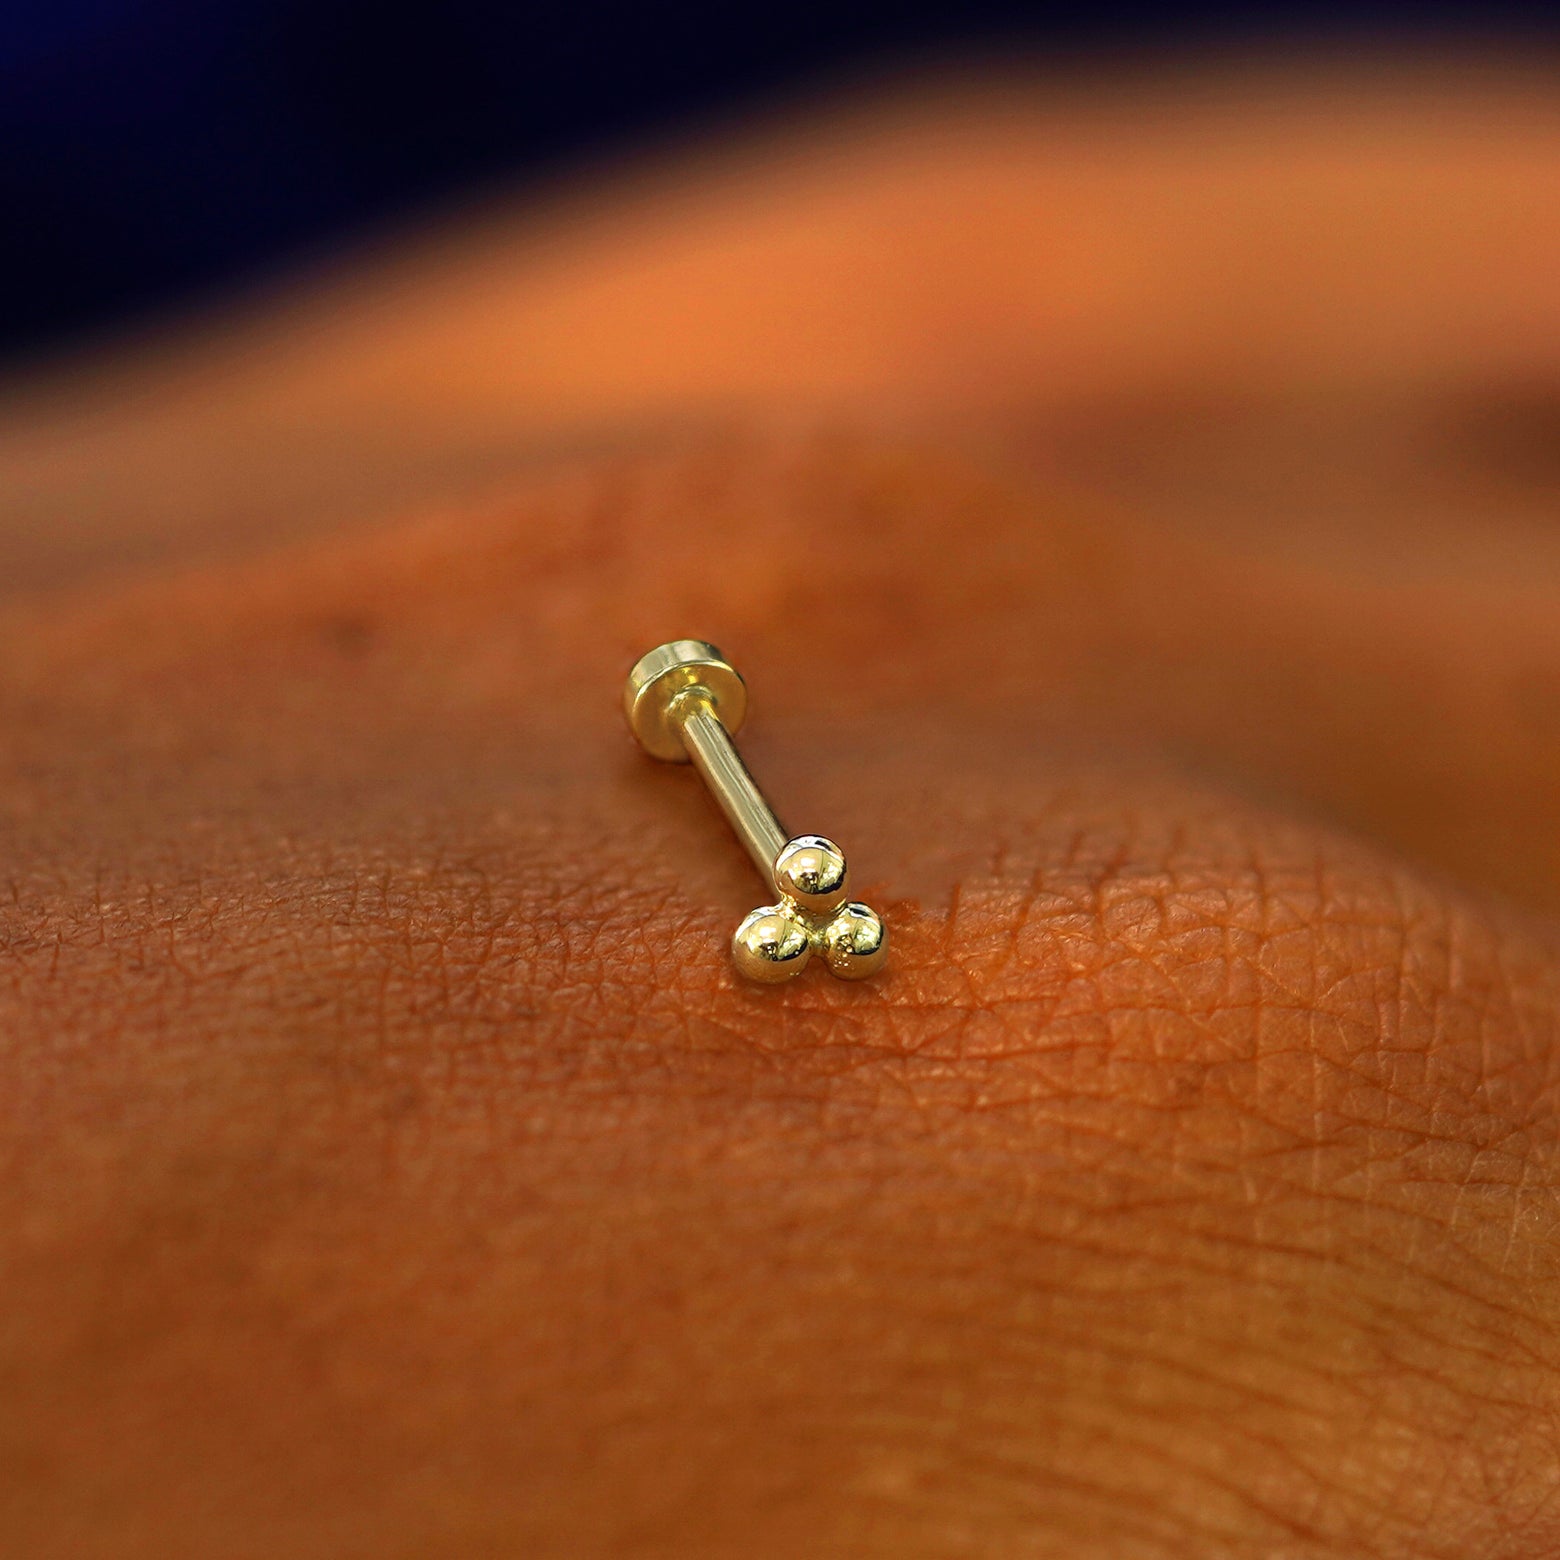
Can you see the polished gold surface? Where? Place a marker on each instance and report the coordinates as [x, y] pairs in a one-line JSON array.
[[659, 680], [810, 870], [716, 758], [855, 943], [772, 944], [684, 701]]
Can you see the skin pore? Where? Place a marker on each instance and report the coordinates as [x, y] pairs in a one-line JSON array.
[[389, 1162]]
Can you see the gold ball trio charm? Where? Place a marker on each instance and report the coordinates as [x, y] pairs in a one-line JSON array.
[[774, 942], [685, 701]]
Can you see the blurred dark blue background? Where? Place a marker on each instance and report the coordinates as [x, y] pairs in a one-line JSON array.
[[155, 150]]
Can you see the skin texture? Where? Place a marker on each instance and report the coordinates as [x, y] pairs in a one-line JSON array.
[[389, 1162]]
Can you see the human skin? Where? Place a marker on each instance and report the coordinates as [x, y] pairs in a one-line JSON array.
[[390, 1163]]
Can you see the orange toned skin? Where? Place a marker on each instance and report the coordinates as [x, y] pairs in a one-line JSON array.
[[390, 1164]]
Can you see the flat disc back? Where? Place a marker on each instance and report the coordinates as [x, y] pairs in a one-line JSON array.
[[668, 671]]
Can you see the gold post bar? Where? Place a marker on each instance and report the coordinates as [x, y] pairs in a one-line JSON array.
[[716, 758]]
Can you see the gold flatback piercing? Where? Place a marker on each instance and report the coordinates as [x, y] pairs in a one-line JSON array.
[[685, 701]]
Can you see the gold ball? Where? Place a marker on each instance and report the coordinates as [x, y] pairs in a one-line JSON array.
[[770, 945], [855, 942], [811, 870]]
